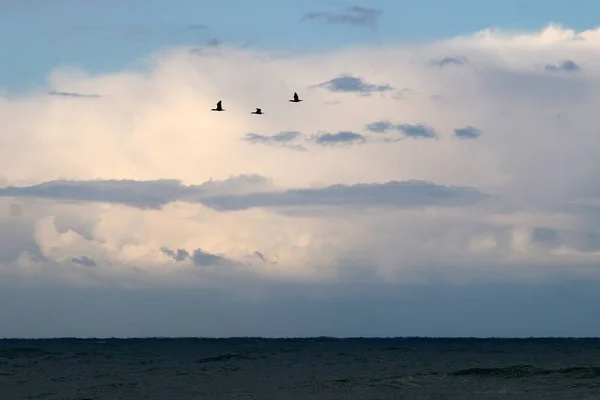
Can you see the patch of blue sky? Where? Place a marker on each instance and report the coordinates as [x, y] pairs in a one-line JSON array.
[[107, 35]]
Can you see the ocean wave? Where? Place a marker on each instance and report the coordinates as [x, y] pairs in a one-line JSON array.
[[524, 371]]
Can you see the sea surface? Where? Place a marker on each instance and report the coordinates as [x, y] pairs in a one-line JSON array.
[[288, 369]]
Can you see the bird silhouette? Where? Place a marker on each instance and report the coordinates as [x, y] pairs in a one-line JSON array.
[[219, 108], [258, 111], [296, 99]]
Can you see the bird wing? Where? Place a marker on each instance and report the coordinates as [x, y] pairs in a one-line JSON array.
[[219, 103], [295, 96]]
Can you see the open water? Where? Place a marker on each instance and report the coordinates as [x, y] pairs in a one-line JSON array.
[[290, 369]]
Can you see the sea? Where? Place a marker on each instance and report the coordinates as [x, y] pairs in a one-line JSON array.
[[289, 369]]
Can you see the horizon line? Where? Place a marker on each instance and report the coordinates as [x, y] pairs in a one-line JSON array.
[[332, 338]]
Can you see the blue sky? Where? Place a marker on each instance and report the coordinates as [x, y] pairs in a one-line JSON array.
[[108, 35]]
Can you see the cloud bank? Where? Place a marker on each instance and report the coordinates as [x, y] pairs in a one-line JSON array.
[[484, 170]]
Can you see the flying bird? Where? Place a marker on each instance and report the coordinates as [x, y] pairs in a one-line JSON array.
[[296, 99], [258, 111], [219, 108]]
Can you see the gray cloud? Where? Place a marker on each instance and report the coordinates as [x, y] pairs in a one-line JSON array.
[[415, 131], [380, 126], [250, 191], [356, 16], [179, 255], [405, 194], [260, 255], [210, 47], [467, 132], [565, 65], [289, 139], [443, 62], [347, 83], [84, 261], [141, 194], [328, 139], [214, 42], [205, 259], [199, 257], [281, 139], [235, 185], [71, 94]]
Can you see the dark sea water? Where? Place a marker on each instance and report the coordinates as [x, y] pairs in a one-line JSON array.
[[290, 369]]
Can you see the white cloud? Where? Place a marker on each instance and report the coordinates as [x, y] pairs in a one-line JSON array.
[[536, 155]]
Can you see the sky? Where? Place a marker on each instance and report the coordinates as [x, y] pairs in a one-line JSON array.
[[439, 177]]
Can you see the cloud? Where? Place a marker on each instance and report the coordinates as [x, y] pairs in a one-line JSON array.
[[84, 261], [565, 65], [467, 132], [179, 255], [282, 139], [443, 62], [153, 194], [327, 139], [203, 258], [292, 139], [158, 193], [415, 131], [391, 194], [380, 126], [142, 194], [355, 15], [353, 84], [214, 42], [198, 257], [147, 166], [78, 95]]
